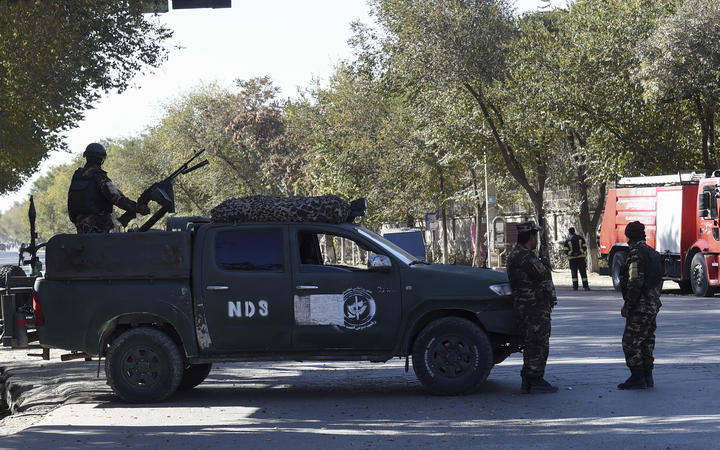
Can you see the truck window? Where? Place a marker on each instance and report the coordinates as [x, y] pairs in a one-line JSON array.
[[712, 191], [318, 250], [249, 250]]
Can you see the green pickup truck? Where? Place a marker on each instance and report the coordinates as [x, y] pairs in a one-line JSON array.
[[162, 306]]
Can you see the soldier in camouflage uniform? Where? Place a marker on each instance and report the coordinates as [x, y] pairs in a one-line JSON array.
[[642, 303], [533, 300], [92, 195]]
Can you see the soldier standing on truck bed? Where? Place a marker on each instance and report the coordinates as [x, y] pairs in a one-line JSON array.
[[576, 251], [533, 300], [92, 195], [640, 282]]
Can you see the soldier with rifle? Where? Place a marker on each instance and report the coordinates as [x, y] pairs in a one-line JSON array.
[[92, 195]]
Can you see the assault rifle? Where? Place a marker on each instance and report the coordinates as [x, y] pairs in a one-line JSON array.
[[163, 194], [32, 248]]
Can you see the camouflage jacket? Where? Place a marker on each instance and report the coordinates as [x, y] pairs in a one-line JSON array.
[[632, 280], [530, 278]]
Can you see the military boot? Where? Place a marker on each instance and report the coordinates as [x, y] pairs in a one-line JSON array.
[[649, 378], [636, 380], [537, 385]]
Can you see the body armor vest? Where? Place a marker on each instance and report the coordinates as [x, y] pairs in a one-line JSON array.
[[84, 196]]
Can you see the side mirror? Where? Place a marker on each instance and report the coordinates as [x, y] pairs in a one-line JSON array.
[[379, 263]]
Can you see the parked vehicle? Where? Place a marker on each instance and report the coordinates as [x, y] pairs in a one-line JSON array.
[[680, 214], [409, 239], [162, 307]]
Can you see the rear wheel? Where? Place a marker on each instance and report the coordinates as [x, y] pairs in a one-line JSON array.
[[452, 356], [193, 375], [616, 267], [699, 277], [143, 365]]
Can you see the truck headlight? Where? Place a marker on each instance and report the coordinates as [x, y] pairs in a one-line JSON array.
[[501, 289]]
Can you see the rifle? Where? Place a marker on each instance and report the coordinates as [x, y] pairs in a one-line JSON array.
[[162, 193], [32, 248]]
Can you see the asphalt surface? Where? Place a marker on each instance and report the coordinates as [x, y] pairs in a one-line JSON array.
[[365, 405]]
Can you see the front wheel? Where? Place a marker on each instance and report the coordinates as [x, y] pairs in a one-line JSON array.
[[452, 356], [143, 365], [699, 277]]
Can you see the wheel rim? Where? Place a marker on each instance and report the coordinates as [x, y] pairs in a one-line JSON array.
[[451, 356], [698, 276], [141, 366]]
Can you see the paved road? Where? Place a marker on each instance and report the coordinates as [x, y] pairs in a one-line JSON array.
[[364, 405]]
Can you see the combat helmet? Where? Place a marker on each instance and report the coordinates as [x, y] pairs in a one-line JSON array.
[[95, 150]]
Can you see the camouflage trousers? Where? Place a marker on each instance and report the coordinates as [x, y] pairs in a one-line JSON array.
[[94, 223], [534, 324], [638, 341]]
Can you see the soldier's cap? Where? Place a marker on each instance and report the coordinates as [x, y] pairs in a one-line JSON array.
[[524, 227], [635, 231]]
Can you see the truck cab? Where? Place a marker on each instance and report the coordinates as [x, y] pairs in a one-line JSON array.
[[680, 214]]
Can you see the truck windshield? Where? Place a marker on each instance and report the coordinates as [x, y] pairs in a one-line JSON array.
[[391, 248]]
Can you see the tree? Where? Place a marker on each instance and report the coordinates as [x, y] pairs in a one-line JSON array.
[[465, 43], [681, 63], [56, 59]]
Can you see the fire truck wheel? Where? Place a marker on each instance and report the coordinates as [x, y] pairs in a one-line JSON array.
[[10, 270], [699, 277], [616, 267]]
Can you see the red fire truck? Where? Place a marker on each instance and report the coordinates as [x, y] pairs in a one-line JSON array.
[[680, 213]]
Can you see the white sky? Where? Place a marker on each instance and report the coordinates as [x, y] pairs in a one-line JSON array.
[[292, 41]]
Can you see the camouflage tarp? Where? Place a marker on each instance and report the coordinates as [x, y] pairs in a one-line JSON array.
[[265, 208]]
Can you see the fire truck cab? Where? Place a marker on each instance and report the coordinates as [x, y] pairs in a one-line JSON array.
[[680, 214]]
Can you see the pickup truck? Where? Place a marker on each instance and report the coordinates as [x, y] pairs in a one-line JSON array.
[[162, 306]]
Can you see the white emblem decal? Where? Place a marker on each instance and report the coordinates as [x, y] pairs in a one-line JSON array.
[[359, 308]]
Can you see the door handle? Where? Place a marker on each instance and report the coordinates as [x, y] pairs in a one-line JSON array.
[[217, 288], [305, 286]]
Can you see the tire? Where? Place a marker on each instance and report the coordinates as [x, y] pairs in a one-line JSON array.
[[616, 267], [143, 365], [452, 356], [699, 277], [10, 270], [193, 375]]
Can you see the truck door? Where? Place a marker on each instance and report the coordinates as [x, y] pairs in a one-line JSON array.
[[246, 288], [338, 302]]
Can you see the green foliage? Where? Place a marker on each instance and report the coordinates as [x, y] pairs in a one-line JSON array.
[[56, 59], [680, 63]]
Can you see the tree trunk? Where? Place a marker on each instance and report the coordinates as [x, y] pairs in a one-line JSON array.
[[540, 216], [479, 259], [513, 165], [589, 224], [705, 129], [443, 214]]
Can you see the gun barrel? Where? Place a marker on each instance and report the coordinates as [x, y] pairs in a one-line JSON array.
[[195, 167]]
